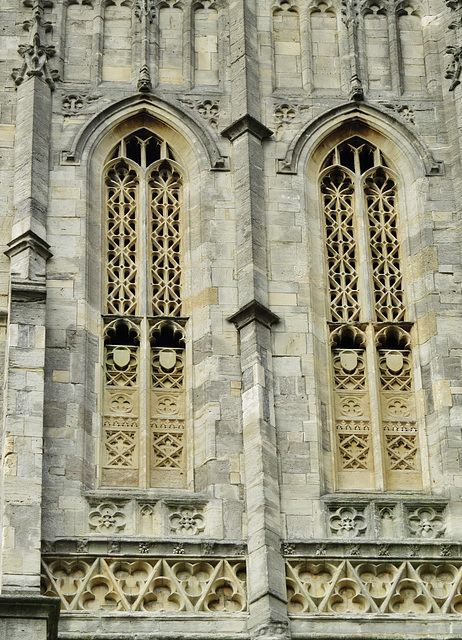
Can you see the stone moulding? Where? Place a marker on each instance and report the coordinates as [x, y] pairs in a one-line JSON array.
[[97, 544], [430, 550], [365, 114], [157, 107]]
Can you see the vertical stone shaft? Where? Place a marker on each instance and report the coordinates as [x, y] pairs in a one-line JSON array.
[[253, 320], [351, 22], [245, 98], [22, 443]]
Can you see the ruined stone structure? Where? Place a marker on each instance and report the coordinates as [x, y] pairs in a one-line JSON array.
[[231, 319]]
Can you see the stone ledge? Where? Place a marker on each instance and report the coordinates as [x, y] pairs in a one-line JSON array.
[[24, 606], [180, 547], [246, 124], [253, 311]]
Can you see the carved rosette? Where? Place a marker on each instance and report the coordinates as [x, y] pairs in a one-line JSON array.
[[107, 518], [347, 522], [187, 522], [426, 522]]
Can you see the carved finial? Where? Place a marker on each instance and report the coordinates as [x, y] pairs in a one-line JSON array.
[[145, 9], [455, 5], [37, 53], [350, 11], [455, 66], [144, 80]]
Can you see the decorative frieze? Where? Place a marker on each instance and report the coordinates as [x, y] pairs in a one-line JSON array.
[[146, 585], [392, 587], [73, 104], [287, 113], [385, 520], [81, 546]]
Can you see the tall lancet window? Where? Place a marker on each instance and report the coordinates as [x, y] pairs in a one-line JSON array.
[[143, 434], [376, 440]]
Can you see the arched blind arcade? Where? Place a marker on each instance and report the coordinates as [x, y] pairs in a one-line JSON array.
[[144, 409], [376, 437]]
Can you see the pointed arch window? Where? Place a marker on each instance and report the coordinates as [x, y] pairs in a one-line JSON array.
[[376, 438], [143, 434]]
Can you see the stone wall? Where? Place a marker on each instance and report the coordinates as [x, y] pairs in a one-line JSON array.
[[266, 534]]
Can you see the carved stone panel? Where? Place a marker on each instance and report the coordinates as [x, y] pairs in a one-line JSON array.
[[397, 588], [146, 585]]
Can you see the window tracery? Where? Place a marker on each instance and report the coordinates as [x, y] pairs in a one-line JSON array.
[[144, 343], [376, 436]]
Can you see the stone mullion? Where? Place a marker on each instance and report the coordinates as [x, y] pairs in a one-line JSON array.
[[21, 488], [356, 88], [377, 435], [362, 55], [142, 33], [61, 19], [344, 51], [399, 54], [144, 385], [366, 283], [138, 36]]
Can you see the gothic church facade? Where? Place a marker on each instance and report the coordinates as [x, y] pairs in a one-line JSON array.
[[231, 319]]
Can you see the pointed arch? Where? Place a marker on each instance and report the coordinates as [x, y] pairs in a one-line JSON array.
[[404, 145], [363, 198], [199, 143]]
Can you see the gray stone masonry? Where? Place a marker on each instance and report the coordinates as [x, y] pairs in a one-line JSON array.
[[278, 454]]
